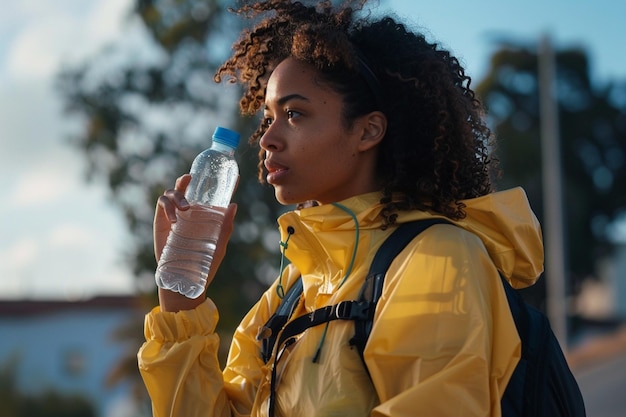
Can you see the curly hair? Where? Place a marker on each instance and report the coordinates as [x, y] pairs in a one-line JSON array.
[[437, 147]]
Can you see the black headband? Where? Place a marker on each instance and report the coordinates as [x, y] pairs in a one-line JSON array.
[[372, 81]]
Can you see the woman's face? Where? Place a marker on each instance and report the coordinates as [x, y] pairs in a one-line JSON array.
[[309, 152]]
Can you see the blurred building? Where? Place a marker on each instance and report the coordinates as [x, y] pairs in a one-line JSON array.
[[602, 300], [69, 347]]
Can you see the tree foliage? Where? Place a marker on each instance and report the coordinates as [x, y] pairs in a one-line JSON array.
[[592, 123]]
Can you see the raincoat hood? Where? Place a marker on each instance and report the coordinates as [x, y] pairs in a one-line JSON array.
[[502, 220]]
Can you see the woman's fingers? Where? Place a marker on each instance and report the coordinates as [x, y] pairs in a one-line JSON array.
[[165, 214], [175, 198]]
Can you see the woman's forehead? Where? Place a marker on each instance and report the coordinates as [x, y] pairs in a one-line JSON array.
[[293, 74]]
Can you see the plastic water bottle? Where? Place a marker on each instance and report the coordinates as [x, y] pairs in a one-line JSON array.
[[188, 252]]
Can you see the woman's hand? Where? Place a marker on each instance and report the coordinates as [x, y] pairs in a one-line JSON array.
[[165, 213], [164, 217]]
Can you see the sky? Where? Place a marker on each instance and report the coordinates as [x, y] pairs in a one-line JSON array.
[[63, 238]]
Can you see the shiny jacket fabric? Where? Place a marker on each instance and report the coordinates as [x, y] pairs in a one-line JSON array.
[[443, 341]]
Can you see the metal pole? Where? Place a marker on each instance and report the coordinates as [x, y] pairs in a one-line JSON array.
[[552, 193]]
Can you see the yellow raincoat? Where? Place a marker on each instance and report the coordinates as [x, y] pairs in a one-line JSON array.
[[443, 341]]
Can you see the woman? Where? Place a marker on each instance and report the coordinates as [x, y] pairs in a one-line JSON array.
[[365, 126]]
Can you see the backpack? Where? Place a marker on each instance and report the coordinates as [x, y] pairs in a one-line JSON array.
[[542, 383]]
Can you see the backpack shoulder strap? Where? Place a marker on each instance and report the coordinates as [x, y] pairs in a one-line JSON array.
[[269, 332], [373, 286]]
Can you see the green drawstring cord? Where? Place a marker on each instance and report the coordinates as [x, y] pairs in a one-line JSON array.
[[318, 351], [356, 240], [280, 290]]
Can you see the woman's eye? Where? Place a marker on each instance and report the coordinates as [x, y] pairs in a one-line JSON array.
[[267, 121], [292, 113]]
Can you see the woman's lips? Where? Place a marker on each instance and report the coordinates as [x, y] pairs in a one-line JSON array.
[[275, 171]]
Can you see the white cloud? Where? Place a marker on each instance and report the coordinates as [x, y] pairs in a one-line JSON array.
[[17, 261], [54, 253], [70, 235], [41, 187], [38, 48], [107, 19], [21, 254], [59, 32]]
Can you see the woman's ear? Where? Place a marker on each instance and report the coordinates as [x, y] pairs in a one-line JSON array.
[[374, 128]]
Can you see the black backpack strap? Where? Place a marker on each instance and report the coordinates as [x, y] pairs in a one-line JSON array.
[[373, 286], [269, 332], [358, 311]]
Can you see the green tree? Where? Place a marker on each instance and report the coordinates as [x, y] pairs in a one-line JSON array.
[[144, 115], [593, 145]]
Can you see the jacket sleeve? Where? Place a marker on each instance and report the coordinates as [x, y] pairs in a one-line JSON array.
[[179, 364], [180, 367], [443, 341]]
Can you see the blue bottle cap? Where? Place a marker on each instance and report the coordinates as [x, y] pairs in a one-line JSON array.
[[226, 136]]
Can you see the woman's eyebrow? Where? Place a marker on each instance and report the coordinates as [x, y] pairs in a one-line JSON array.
[[281, 101]]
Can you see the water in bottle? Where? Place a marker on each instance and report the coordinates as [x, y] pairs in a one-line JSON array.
[[188, 252]]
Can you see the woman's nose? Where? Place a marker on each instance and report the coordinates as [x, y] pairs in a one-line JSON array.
[[270, 141]]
